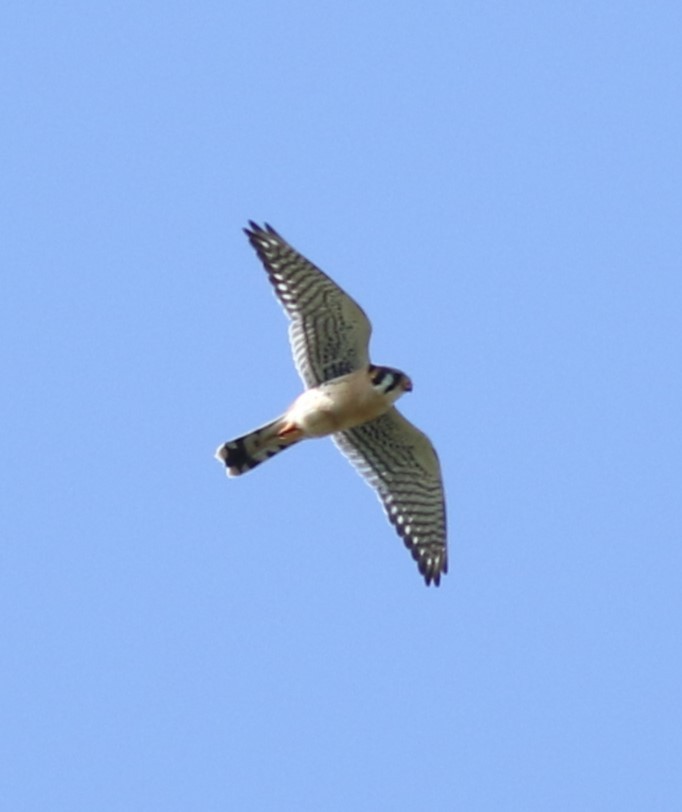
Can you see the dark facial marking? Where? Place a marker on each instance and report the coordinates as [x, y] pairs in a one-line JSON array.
[[377, 374], [396, 378]]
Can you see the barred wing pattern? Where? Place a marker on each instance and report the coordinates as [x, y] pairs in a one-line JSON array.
[[329, 332], [400, 463]]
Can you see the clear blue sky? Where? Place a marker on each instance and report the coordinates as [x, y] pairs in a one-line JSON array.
[[500, 186]]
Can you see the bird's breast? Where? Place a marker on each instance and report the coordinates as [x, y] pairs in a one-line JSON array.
[[337, 405]]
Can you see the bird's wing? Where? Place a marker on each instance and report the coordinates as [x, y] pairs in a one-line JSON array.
[[329, 332], [400, 463]]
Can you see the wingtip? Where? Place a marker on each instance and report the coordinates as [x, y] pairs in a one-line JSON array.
[[432, 578], [431, 568], [254, 229]]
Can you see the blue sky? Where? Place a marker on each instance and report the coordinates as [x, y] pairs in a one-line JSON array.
[[499, 185]]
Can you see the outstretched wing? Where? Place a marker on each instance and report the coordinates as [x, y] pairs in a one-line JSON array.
[[329, 332], [400, 463]]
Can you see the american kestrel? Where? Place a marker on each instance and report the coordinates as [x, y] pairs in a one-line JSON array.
[[350, 399]]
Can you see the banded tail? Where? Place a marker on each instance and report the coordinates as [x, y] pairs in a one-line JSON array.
[[245, 453]]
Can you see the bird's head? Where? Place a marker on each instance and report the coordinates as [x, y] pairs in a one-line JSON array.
[[390, 382]]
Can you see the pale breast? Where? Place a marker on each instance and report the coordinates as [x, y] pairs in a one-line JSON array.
[[337, 405]]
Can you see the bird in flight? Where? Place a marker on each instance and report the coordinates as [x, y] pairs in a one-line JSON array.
[[349, 399]]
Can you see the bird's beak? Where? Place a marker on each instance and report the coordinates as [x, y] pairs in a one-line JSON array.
[[407, 385]]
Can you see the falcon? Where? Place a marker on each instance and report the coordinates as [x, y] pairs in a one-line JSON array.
[[351, 400]]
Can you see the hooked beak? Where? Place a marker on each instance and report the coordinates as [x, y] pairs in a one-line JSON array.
[[407, 386]]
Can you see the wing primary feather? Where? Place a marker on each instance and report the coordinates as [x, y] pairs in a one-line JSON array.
[[399, 462], [329, 331]]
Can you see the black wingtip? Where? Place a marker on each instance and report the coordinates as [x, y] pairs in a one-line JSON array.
[[432, 577], [254, 228], [431, 568]]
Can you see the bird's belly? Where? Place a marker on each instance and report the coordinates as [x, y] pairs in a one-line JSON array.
[[319, 412]]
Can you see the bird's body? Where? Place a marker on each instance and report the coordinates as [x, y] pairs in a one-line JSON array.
[[334, 406], [350, 399], [341, 403]]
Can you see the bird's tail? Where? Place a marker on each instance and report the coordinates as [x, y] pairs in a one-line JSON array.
[[245, 453]]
